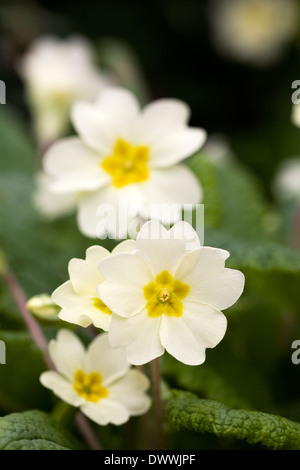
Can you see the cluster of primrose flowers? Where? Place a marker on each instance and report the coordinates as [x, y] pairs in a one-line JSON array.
[[160, 292]]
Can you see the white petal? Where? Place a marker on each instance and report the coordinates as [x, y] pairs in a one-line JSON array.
[[84, 274], [110, 362], [176, 146], [105, 411], [50, 204], [78, 310], [61, 387], [74, 167], [98, 214], [163, 249], [126, 269], [180, 342], [96, 129], [120, 104], [160, 117], [107, 213], [207, 324], [124, 299], [124, 247], [168, 189], [139, 334], [209, 281], [126, 275], [130, 392], [187, 337], [67, 353]]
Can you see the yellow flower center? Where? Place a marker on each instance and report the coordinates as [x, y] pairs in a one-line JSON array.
[[127, 164], [101, 306], [89, 386], [164, 296]]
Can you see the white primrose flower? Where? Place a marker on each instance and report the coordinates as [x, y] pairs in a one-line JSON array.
[[168, 295], [98, 380], [254, 31], [125, 155], [56, 72], [78, 297]]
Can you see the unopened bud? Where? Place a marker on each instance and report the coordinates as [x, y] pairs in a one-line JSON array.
[[43, 307]]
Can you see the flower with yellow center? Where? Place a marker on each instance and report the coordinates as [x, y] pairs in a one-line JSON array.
[[78, 296], [125, 154], [98, 380], [164, 296], [89, 386], [168, 294]]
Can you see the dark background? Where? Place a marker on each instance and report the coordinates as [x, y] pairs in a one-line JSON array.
[[172, 41]]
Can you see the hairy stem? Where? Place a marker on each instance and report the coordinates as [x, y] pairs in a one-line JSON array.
[[33, 327]]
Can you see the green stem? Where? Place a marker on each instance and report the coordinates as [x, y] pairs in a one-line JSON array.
[[63, 413]]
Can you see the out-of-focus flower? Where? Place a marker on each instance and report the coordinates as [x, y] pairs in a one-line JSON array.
[[43, 307], [295, 117], [78, 297], [254, 31], [217, 149], [126, 155], [57, 72], [168, 295], [287, 180], [98, 380]]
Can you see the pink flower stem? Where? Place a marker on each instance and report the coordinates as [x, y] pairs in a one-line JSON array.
[[87, 432], [158, 406], [33, 327]]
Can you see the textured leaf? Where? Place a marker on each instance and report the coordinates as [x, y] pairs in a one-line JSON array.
[[34, 430], [233, 199], [259, 255], [187, 411]]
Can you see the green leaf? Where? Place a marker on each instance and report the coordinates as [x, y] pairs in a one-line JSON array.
[[34, 430], [233, 199], [17, 150], [19, 378], [187, 411], [258, 255]]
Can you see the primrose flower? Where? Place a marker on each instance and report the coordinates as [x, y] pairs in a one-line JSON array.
[[78, 297], [168, 295], [98, 380], [125, 154], [56, 72], [254, 31]]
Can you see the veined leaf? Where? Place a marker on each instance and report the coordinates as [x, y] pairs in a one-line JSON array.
[[34, 430], [186, 410]]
